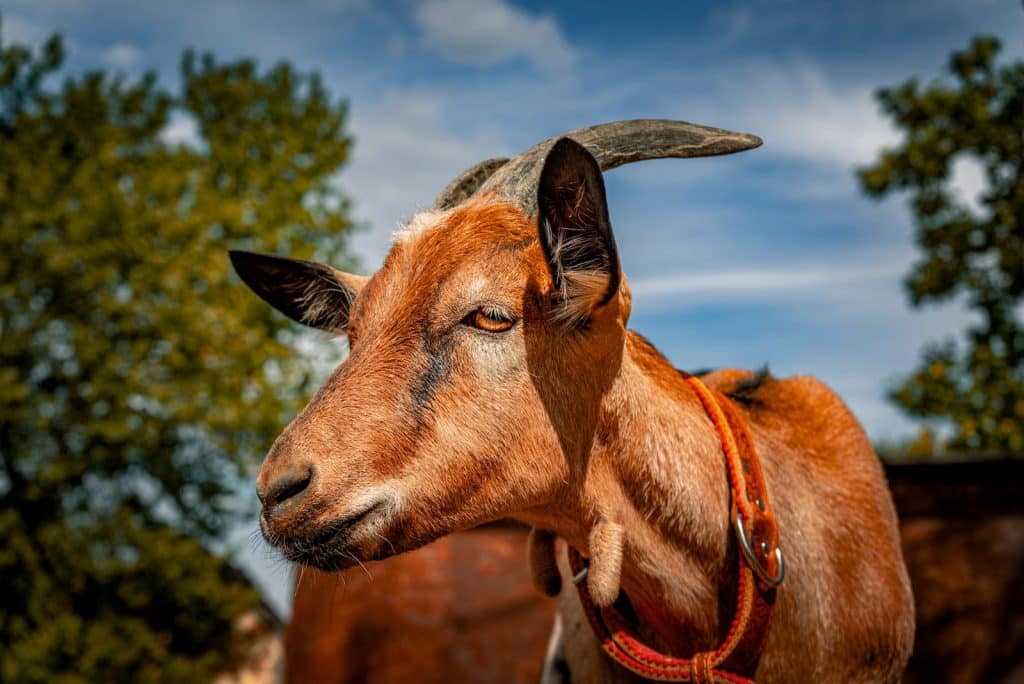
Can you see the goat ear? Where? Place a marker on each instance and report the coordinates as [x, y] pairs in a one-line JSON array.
[[575, 231], [311, 293]]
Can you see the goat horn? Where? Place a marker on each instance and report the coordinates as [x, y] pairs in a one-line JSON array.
[[614, 144], [467, 183]]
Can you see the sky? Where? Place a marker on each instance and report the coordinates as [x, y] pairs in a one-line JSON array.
[[772, 256]]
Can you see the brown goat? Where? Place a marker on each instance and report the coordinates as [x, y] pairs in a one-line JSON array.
[[491, 374]]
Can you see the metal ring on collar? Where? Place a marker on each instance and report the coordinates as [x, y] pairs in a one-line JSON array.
[[741, 534]]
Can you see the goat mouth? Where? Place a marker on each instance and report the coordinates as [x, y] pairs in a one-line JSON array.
[[333, 547]]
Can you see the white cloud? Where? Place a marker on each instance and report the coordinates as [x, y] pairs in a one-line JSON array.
[[337, 6], [182, 129], [15, 29], [759, 283], [851, 329], [64, 6], [122, 55], [968, 180], [403, 156], [487, 32], [733, 22], [802, 113]]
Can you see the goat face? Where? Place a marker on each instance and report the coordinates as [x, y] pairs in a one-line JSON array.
[[478, 357]]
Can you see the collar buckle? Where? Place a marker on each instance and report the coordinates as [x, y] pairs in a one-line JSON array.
[[753, 562]]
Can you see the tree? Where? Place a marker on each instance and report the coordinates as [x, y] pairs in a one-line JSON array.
[[139, 382], [977, 386]]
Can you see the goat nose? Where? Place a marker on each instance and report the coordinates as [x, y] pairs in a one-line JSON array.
[[284, 487]]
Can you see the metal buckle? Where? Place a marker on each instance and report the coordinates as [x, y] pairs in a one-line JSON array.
[[755, 564]]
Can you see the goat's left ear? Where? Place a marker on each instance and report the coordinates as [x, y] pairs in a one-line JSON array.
[[309, 292], [576, 233]]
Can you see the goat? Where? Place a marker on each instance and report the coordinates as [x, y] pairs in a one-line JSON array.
[[491, 374]]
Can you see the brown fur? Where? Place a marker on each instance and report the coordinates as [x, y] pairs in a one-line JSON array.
[[543, 562], [436, 427], [605, 570], [459, 610]]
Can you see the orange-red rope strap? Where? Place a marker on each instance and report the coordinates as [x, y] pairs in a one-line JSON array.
[[760, 571]]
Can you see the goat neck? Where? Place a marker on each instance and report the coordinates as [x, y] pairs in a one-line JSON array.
[[650, 468]]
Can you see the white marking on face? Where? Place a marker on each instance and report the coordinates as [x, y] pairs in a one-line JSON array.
[[417, 225], [476, 287], [387, 492]]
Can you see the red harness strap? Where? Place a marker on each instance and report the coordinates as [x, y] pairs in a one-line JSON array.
[[761, 570]]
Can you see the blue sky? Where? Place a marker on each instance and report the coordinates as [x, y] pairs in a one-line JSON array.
[[771, 256]]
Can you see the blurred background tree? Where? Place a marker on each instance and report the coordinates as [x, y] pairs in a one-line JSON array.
[[138, 381], [976, 386]]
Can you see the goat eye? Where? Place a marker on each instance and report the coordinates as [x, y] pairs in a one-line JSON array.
[[489, 320]]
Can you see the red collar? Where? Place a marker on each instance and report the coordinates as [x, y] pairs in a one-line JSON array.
[[761, 570]]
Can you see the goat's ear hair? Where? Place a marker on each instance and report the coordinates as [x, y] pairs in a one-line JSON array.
[[311, 293], [575, 231]]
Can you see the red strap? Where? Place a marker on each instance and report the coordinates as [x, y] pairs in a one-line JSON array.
[[760, 572]]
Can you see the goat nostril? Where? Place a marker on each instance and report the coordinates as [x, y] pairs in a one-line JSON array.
[[286, 487]]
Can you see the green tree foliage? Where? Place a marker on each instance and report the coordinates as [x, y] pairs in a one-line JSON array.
[[139, 382], [978, 114]]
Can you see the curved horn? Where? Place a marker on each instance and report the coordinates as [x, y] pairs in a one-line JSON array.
[[466, 183], [614, 144]]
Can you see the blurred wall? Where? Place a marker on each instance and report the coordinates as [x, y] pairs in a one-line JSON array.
[[963, 539], [462, 609]]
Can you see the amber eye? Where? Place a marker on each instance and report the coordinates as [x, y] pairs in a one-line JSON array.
[[489, 320]]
